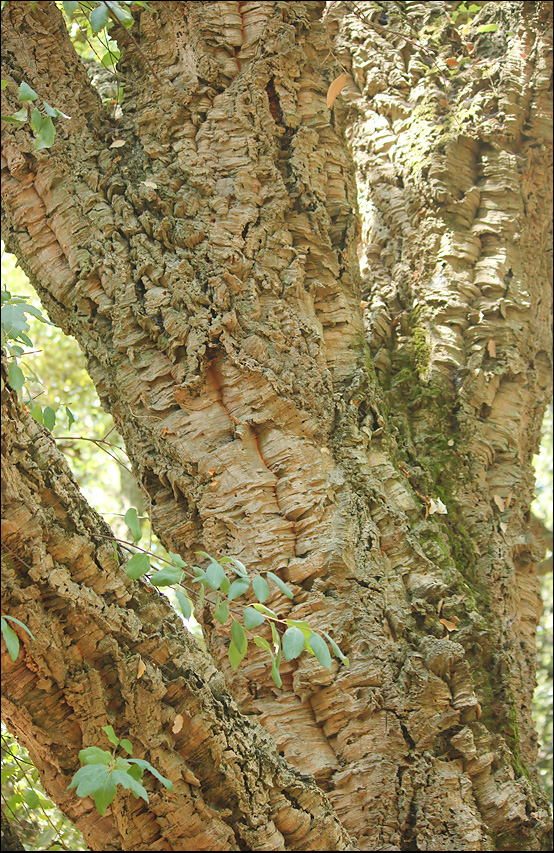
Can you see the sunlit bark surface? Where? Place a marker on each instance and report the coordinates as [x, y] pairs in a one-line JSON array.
[[208, 268]]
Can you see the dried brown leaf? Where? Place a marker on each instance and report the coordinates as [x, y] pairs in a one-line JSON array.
[[177, 724], [499, 502], [335, 89]]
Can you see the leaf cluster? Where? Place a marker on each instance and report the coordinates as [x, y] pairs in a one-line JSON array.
[[104, 771], [289, 637]]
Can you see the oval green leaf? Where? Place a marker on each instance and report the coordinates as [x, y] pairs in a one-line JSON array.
[[260, 587], [167, 576], [16, 378], [184, 603], [239, 637], [133, 523], [221, 612], [11, 639], [137, 566], [215, 575], [252, 618], [262, 644], [293, 643], [49, 417], [237, 588], [235, 656], [281, 584], [111, 735], [320, 650]]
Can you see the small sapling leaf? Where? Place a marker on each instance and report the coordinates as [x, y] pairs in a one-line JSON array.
[[111, 735], [26, 93], [94, 755]]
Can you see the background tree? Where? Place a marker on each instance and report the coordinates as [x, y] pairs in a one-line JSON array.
[[202, 250]]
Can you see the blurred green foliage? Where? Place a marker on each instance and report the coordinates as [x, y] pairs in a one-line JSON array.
[[39, 824]]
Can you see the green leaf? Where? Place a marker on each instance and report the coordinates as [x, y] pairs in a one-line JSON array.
[[21, 625], [235, 656], [265, 610], [137, 566], [54, 112], [252, 618], [49, 416], [130, 783], [260, 587], [225, 585], [11, 639], [336, 651], [133, 523], [126, 745], [111, 735], [99, 17], [69, 7], [26, 93], [4, 84], [239, 567], [184, 603], [104, 795], [47, 134], [304, 627], [89, 779], [276, 638], [94, 755], [16, 378], [215, 575], [36, 412], [110, 57], [487, 28], [36, 120], [135, 771], [293, 643], [320, 650], [237, 588], [239, 637], [175, 558], [167, 576], [145, 765], [17, 118], [70, 418], [221, 611], [31, 798], [262, 644], [275, 673], [281, 584]]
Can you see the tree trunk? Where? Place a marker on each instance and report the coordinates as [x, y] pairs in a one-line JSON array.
[[208, 269]]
